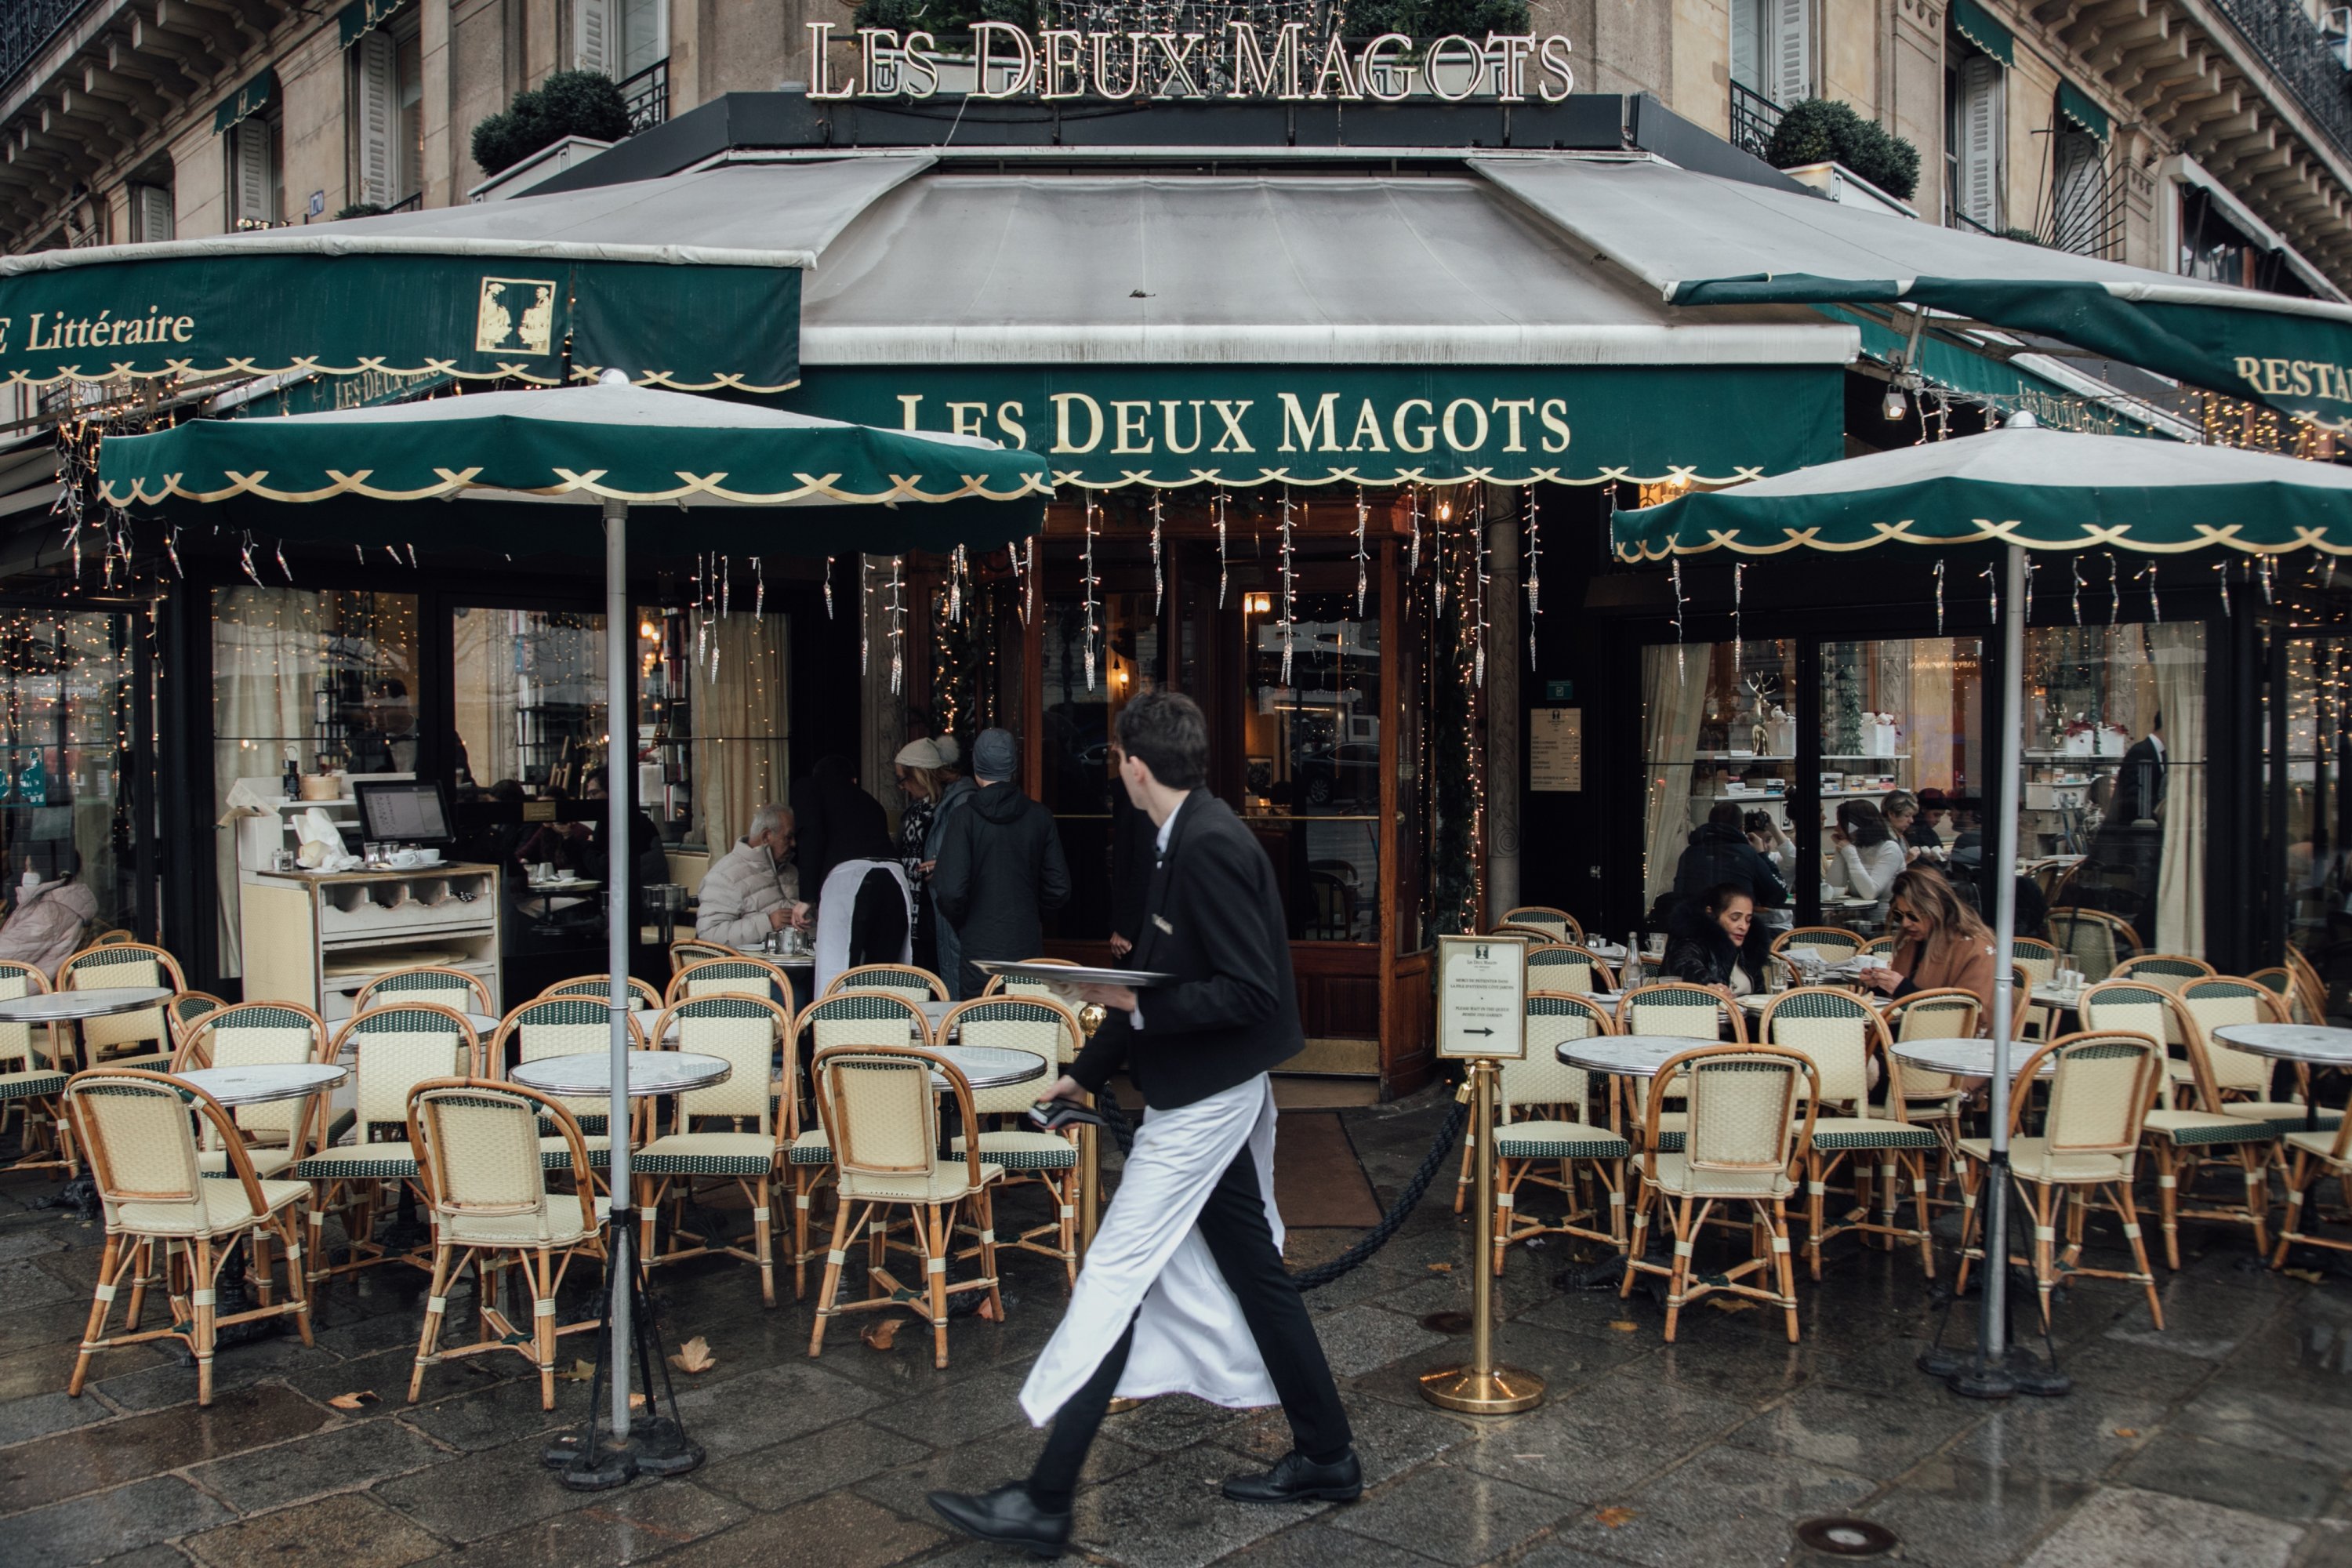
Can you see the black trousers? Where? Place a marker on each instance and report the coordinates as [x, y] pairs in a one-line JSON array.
[[1233, 1223]]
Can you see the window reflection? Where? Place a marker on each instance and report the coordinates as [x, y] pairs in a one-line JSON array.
[[1311, 737]]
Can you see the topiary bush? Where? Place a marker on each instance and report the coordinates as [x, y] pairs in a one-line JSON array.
[[568, 103], [1819, 129], [360, 209]]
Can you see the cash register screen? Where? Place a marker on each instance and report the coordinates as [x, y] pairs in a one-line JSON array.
[[405, 812]]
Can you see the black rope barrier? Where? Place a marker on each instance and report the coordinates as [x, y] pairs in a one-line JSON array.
[[1448, 1139]]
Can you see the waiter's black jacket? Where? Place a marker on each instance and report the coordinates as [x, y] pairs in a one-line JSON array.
[[1214, 919]]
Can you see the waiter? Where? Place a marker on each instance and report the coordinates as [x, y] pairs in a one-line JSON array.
[[1185, 1290]]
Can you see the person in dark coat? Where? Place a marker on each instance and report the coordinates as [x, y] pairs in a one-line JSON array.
[[1000, 867], [1719, 854], [835, 818], [1716, 940]]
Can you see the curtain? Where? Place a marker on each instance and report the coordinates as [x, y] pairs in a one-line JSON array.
[[265, 669], [1674, 694], [2177, 653], [483, 655], [741, 729]]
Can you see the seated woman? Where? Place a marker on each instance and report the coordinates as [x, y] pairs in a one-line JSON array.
[[1866, 858], [1718, 940], [1941, 940]]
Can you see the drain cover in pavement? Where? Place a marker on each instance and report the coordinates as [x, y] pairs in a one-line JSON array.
[[1846, 1537]]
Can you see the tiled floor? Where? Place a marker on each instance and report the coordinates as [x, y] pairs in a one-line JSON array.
[[2224, 1440]]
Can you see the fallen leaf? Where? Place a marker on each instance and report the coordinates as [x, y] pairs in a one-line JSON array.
[[1440, 1268], [1616, 1517], [1624, 1326], [694, 1356], [2308, 1276], [881, 1335], [578, 1372], [988, 1312], [636, 1402], [360, 1400], [1731, 1303], [2126, 1431]]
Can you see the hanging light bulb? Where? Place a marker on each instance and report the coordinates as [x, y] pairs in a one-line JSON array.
[[1895, 406]]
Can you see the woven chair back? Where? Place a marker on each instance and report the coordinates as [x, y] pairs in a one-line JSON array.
[[881, 1119], [259, 1034], [1837, 1031], [2280, 983], [478, 1149], [685, 953], [565, 1027], [734, 976], [442, 987], [1884, 946], [1557, 924], [18, 980], [396, 1048], [745, 1032], [1542, 1078], [2136, 1006], [120, 965], [903, 977], [1020, 1023], [2170, 970], [2039, 959], [1947, 1014], [190, 1008], [2101, 1092], [2095, 940], [1676, 1007], [1743, 1103], [865, 1018], [136, 1130], [1561, 967], [2218, 1003], [1830, 944], [643, 998]]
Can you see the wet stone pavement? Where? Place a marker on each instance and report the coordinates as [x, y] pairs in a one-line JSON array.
[[2224, 1441]]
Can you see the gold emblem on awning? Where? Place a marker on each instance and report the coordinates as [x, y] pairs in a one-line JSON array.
[[517, 315]]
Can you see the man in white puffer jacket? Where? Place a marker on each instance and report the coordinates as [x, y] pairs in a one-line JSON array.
[[750, 890]]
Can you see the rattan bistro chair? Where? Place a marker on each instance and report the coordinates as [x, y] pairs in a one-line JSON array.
[[32, 1081], [2242, 1078], [2183, 1138], [1048, 1159], [880, 1115], [2315, 1156], [686, 952], [1560, 967], [1674, 1007], [904, 978], [136, 1128], [1557, 924], [1830, 944], [2090, 1135], [735, 975], [1563, 1134], [261, 1034], [127, 1039], [1841, 1035], [1932, 1100], [2143, 1007], [478, 1145], [188, 1009], [747, 1033], [1751, 1112], [435, 983], [2095, 940], [886, 1018], [1538, 938], [393, 1049], [565, 1027]]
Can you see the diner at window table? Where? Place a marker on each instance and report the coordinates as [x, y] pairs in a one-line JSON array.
[[1717, 940], [1940, 942], [1867, 858]]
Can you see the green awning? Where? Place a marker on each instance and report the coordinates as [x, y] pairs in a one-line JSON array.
[[2043, 489], [1981, 375], [1976, 25], [1107, 426], [2077, 105], [361, 17], [247, 101]]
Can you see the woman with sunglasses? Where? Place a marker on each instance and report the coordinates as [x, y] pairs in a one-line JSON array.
[[1941, 940]]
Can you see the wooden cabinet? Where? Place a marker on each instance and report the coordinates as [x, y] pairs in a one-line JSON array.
[[317, 940]]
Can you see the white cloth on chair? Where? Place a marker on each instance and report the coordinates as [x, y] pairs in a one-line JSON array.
[[1149, 1263]]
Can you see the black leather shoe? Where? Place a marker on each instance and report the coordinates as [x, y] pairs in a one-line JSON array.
[[1296, 1477], [1008, 1518]]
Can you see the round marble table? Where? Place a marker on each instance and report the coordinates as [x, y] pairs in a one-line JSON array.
[[260, 1083], [71, 1006], [2310, 1043], [989, 1067], [586, 1074], [1630, 1056], [1969, 1057]]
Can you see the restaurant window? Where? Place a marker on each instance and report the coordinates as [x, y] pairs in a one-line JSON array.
[[1718, 727], [529, 697], [2215, 248], [65, 710], [151, 212], [1773, 48], [324, 680], [2318, 812], [619, 38], [254, 198], [1900, 718], [2113, 814], [1311, 748], [1086, 681], [1975, 129], [387, 88], [713, 722]]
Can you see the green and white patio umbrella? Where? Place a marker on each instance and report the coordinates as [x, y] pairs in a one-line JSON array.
[[722, 476], [2028, 488]]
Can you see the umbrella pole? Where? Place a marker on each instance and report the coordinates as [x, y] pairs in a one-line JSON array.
[[620, 725]]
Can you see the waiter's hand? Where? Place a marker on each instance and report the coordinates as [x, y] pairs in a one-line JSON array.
[[1069, 1089], [1117, 998], [1119, 946]]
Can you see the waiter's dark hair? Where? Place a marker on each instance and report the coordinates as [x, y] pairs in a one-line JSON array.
[[1165, 732]]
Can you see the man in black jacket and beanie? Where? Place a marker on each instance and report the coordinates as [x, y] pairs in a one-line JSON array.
[[1183, 1289], [1000, 867], [1719, 853]]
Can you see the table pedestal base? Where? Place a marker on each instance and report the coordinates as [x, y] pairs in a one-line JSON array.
[[655, 1443]]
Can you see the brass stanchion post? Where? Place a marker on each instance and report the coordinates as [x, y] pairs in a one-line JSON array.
[[1090, 1018], [1483, 1388]]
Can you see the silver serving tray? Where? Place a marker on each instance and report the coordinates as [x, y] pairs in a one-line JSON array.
[[1071, 974]]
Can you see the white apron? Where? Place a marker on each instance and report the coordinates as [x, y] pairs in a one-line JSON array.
[[1149, 1263], [837, 903]]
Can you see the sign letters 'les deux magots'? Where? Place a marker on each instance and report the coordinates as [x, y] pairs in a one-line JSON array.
[[1287, 66]]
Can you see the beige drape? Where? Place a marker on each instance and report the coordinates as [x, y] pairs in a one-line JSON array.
[[266, 645], [482, 652], [1674, 693], [2177, 653], [741, 727]]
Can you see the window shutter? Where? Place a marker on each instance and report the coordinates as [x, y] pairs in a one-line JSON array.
[[2080, 190], [151, 212], [1980, 135], [254, 176], [1792, 51], [1748, 43], [377, 82], [643, 40], [592, 35]]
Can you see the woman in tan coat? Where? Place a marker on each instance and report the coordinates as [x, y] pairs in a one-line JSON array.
[[1941, 940]]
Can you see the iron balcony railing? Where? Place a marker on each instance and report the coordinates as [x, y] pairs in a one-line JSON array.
[[25, 28], [647, 97], [2305, 62], [1754, 117]]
